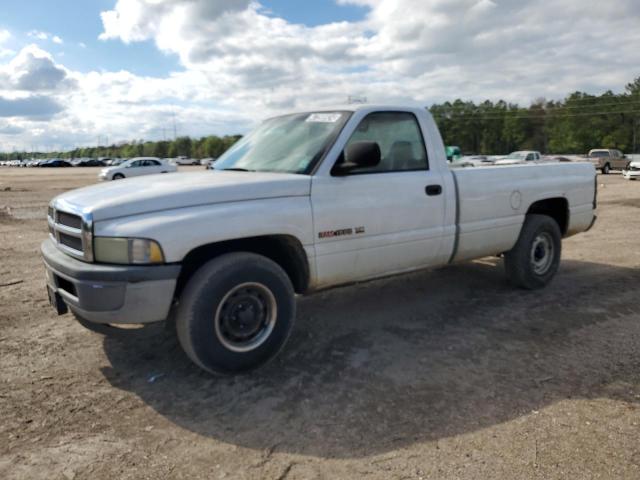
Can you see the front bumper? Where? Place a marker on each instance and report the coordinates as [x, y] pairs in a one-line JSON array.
[[631, 174], [115, 294]]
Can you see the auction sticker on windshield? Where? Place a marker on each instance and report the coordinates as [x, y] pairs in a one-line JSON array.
[[324, 117]]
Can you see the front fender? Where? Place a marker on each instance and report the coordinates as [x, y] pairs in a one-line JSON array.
[[181, 230]]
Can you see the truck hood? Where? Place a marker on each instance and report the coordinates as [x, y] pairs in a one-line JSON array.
[[151, 193]]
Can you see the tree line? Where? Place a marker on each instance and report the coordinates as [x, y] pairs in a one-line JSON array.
[[205, 147], [576, 124]]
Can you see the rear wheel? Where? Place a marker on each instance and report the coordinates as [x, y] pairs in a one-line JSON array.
[[534, 260], [235, 313], [118, 176], [606, 169]]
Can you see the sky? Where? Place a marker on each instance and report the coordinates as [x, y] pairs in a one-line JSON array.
[[80, 73]]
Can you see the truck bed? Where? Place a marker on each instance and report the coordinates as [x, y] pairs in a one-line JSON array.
[[492, 202]]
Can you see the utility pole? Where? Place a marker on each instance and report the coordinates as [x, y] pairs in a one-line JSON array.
[[173, 115]]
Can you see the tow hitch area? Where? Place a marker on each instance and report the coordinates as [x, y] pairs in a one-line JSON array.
[[56, 302]]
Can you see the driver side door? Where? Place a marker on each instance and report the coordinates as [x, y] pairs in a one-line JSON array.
[[380, 220]]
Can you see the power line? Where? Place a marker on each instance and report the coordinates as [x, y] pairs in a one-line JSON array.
[[544, 107], [622, 97], [529, 116]]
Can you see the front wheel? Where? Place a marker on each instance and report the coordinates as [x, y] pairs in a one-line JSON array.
[[235, 313], [534, 260], [118, 176]]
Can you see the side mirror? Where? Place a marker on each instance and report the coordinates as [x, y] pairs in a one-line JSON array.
[[358, 155]]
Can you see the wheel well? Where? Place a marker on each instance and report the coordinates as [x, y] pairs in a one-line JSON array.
[[556, 208], [285, 250]]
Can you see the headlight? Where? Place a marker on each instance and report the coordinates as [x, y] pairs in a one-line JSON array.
[[139, 251]]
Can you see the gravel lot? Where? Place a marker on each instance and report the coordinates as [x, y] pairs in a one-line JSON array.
[[449, 373]]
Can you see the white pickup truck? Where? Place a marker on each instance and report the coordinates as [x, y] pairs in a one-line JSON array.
[[305, 202]]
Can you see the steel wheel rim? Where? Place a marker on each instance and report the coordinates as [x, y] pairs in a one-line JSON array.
[[542, 252], [245, 317]]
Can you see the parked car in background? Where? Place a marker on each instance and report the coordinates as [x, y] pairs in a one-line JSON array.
[[519, 157], [472, 161], [113, 162], [182, 160], [207, 161], [136, 167], [55, 162], [90, 162], [632, 170], [606, 160]]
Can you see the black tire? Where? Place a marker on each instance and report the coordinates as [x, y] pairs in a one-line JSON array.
[[117, 176], [224, 289], [534, 260], [606, 169]]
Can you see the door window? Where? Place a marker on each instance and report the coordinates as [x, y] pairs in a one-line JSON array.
[[400, 140]]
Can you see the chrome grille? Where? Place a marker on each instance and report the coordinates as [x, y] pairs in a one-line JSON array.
[[73, 221], [70, 241], [72, 232]]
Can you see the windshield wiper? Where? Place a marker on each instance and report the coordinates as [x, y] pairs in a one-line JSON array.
[[237, 169]]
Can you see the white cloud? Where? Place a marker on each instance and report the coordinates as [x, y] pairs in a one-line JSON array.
[[4, 35], [421, 50], [38, 35], [33, 69]]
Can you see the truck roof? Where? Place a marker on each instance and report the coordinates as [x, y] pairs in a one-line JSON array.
[[363, 106], [366, 108]]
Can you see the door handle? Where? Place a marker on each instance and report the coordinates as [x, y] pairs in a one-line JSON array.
[[433, 190]]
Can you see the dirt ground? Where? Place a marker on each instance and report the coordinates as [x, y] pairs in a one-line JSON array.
[[449, 373]]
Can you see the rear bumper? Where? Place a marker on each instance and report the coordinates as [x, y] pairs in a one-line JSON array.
[[116, 294]]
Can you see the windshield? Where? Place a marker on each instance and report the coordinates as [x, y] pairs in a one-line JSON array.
[[291, 143]]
